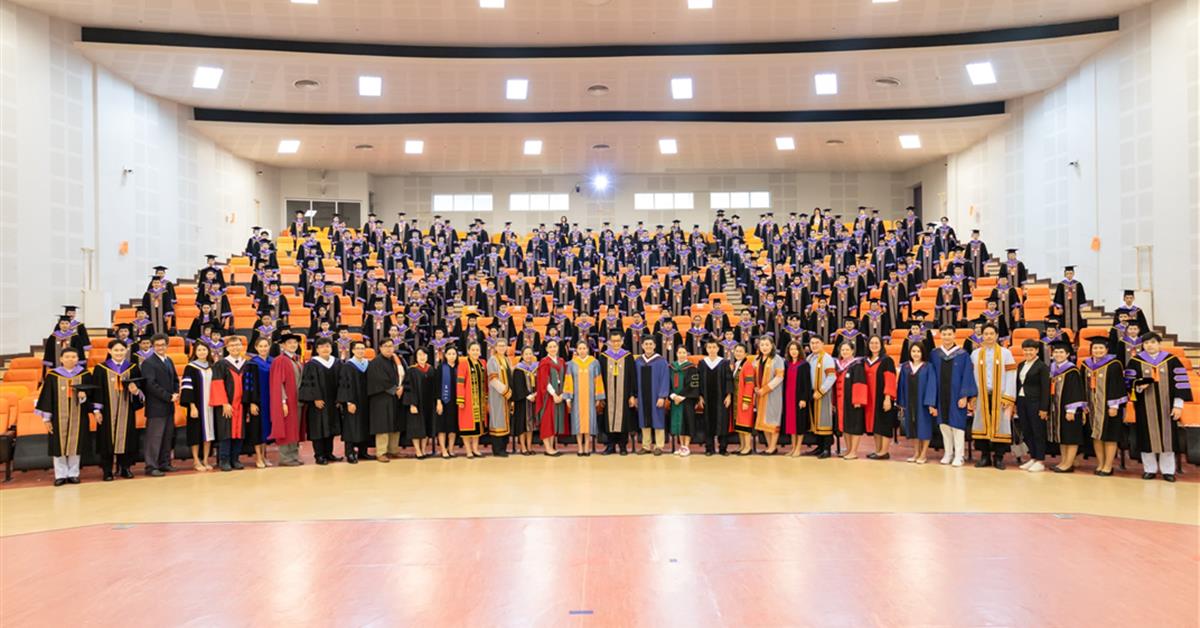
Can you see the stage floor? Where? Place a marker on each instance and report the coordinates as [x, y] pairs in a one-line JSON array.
[[604, 541]]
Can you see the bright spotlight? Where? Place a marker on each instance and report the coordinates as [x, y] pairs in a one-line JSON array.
[[600, 182]]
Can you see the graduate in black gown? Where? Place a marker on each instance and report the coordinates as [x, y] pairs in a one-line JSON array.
[[422, 387], [114, 400], [352, 397], [318, 391], [684, 395], [1065, 424], [850, 398], [524, 419], [1104, 386], [383, 400], [62, 407], [716, 388]]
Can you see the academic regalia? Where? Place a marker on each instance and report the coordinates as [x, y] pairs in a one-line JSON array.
[[116, 435], [499, 377], [319, 381], [194, 389], [583, 387], [59, 340], [421, 388], [685, 382], [926, 340], [768, 373], [823, 373], [994, 404], [352, 389], [716, 385], [797, 389], [881, 382], [470, 396], [854, 338], [1104, 387], [552, 415], [1064, 425], [285, 381], [745, 380], [1136, 315], [850, 396], [58, 404], [1068, 301], [1156, 431], [955, 380], [383, 407], [653, 385], [161, 308], [524, 384], [259, 431], [620, 384], [916, 393], [231, 385]]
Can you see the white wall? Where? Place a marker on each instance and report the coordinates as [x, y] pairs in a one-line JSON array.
[[67, 132], [932, 179], [1128, 116], [790, 192]]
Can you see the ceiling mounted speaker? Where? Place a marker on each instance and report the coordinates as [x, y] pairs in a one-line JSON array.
[[600, 147], [597, 90], [306, 84], [887, 81], [364, 147], [834, 142]]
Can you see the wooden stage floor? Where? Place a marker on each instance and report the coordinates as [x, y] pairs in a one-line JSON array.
[[757, 541]]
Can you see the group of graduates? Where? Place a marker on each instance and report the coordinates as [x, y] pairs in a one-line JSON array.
[[798, 363]]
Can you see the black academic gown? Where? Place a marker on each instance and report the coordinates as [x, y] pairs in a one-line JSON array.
[[117, 432], [421, 389], [352, 389], [716, 383], [318, 382], [383, 407]]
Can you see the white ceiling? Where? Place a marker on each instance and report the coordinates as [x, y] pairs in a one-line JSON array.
[[703, 147], [260, 80], [571, 22]]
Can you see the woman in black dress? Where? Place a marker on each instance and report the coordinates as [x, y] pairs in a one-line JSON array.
[[422, 386], [447, 408]]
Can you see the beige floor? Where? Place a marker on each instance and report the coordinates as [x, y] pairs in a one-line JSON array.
[[570, 486]]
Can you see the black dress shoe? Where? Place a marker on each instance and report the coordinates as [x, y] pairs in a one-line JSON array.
[[225, 467], [322, 461], [872, 456], [1061, 470], [823, 454], [708, 452], [126, 473], [499, 453], [998, 462], [352, 458], [610, 450], [154, 473], [168, 469], [723, 452], [815, 451], [60, 481], [367, 457], [335, 458], [237, 465], [1170, 477], [984, 461], [624, 451], [658, 451], [1149, 476], [553, 454], [1103, 474], [108, 475], [75, 480]]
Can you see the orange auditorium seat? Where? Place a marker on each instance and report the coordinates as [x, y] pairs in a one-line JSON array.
[[28, 423], [23, 375], [25, 362]]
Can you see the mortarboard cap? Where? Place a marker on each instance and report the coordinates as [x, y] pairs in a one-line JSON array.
[[289, 336], [160, 268], [1052, 321], [1128, 293], [920, 314], [70, 308], [1068, 269], [1013, 251]]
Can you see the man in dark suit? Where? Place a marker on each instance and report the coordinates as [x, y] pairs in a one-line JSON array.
[[1033, 403], [161, 387]]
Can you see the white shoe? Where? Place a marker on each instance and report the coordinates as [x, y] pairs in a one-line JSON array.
[[1036, 467], [1028, 463], [911, 459], [947, 458], [958, 462], [685, 452]]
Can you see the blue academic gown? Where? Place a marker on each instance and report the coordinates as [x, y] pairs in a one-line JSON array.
[[918, 422], [653, 383], [262, 371], [962, 384]]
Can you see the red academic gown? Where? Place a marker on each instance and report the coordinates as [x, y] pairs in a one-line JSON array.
[[287, 430], [548, 412], [877, 386], [850, 396], [226, 380], [744, 397]]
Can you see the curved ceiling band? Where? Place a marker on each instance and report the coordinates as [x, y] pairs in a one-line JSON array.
[[1002, 35]]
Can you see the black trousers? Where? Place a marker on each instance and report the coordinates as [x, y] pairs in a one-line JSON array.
[[499, 443], [617, 440], [1033, 428], [121, 461], [323, 447], [824, 442]]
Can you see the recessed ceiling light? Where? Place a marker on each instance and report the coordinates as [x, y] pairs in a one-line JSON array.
[[600, 147], [785, 143], [910, 141], [668, 146], [597, 90], [288, 146], [306, 84], [981, 73], [883, 1], [304, 1], [887, 81], [414, 147], [826, 83], [700, 4], [834, 142], [600, 182], [681, 88], [491, 4], [364, 147], [370, 85], [206, 77], [533, 147], [516, 89]]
